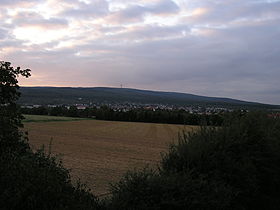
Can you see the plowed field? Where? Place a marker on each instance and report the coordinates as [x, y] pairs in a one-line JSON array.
[[99, 152]]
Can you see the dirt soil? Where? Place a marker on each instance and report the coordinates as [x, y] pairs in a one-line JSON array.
[[100, 152]]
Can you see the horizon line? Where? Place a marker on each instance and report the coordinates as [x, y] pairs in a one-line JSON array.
[[222, 97]]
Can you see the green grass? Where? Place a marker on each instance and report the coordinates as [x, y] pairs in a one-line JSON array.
[[45, 118]]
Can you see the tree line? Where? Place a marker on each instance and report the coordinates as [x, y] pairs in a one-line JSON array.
[[135, 115]]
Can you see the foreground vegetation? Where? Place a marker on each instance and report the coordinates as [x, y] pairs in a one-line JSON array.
[[235, 167], [31, 180]]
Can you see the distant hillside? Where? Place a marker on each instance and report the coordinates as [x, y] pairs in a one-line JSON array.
[[68, 95]]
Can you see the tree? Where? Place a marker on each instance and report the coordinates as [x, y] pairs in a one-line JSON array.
[[233, 167], [31, 180], [10, 116]]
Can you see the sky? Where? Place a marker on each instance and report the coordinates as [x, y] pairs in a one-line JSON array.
[[224, 48]]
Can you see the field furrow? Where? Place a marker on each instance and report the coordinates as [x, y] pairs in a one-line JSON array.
[[100, 152]]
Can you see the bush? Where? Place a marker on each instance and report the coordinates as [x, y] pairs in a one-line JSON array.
[[38, 181], [236, 166], [31, 180]]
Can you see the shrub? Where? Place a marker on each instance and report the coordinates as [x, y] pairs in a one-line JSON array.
[[31, 180], [236, 166], [38, 181]]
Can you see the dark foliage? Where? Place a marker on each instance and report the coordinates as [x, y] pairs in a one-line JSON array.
[[10, 117], [135, 115], [31, 180], [158, 116], [233, 167], [38, 181]]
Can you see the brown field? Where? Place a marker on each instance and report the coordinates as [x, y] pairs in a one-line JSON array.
[[99, 152]]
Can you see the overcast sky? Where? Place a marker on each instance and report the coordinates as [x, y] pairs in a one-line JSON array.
[[228, 48]]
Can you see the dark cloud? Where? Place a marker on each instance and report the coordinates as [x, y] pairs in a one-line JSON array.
[[3, 33], [18, 2], [164, 7], [96, 8], [35, 19], [233, 61], [150, 32], [225, 48], [136, 13], [222, 12], [131, 14]]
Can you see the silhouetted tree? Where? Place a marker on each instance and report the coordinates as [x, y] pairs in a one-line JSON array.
[[10, 116], [234, 167], [31, 180]]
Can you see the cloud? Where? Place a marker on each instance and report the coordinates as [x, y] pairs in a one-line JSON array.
[[164, 7], [217, 48], [18, 2], [10, 6], [33, 19], [224, 12], [137, 34], [3, 33], [136, 13], [131, 14], [96, 8]]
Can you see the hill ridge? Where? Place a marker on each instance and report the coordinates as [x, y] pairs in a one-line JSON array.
[[72, 95]]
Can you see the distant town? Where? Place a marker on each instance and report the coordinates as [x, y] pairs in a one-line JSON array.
[[125, 107]]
